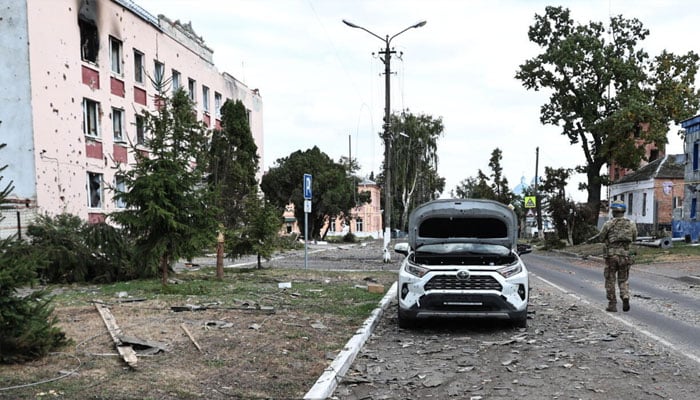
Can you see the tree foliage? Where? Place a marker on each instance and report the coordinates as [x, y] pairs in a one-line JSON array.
[[169, 212], [492, 187], [333, 187], [251, 222], [607, 94], [27, 327], [414, 163], [234, 164]]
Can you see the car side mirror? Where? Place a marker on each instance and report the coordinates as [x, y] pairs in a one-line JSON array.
[[402, 248]]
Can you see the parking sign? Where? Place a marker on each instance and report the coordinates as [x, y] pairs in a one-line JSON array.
[[307, 186]]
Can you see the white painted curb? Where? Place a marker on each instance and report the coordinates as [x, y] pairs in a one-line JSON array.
[[326, 384]]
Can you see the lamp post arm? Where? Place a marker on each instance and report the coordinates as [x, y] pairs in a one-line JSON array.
[[350, 24]]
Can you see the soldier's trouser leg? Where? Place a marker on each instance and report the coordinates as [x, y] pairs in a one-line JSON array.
[[610, 273], [623, 274]]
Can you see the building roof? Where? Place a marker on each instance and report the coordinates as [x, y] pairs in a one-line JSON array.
[[672, 166]]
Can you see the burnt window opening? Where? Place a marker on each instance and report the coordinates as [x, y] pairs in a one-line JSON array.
[[484, 228], [89, 40]]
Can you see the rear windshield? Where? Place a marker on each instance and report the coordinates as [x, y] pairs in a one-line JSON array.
[[482, 228]]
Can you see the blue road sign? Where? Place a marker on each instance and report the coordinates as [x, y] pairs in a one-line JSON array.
[[307, 186]]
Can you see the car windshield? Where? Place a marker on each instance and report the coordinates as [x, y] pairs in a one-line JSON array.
[[464, 248]]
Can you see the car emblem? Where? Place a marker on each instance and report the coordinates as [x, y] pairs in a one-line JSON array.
[[463, 275]]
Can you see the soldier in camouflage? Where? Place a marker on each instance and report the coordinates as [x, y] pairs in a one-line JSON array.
[[617, 234]]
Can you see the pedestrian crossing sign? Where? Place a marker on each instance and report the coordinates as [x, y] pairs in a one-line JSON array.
[[530, 201]]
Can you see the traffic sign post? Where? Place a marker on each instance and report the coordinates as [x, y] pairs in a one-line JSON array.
[[308, 193]]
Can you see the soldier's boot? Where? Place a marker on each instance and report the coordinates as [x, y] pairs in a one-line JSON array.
[[625, 305], [612, 307]]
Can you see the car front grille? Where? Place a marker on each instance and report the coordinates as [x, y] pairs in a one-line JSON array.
[[451, 282]]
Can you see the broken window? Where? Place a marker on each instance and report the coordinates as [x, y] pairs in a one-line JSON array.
[[140, 130], [138, 66], [118, 124], [94, 190], [91, 114], [192, 86], [89, 41], [205, 98], [115, 55]]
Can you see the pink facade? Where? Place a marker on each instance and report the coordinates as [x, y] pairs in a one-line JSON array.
[[365, 220], [80, 79]]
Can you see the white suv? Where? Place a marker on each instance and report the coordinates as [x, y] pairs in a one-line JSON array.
[[462, 260]]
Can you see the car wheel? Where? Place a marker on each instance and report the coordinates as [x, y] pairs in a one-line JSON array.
[[405, 322], [520, 322]]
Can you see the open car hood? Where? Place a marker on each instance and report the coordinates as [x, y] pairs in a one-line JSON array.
[[463, 220]]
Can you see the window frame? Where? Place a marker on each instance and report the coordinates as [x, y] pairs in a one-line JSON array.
[[176, 80], [217, 104], [118, 124], [630, 203], [139, 69], [91, 112], [116, 56], [92, 189], [192, 88], [140, 123], [119, 187], [158, 71], [205, 98], [359, 225]]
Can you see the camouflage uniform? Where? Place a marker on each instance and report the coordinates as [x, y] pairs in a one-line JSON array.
[[617, 234]]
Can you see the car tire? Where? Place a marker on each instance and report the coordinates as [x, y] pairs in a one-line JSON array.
[[405, 322]]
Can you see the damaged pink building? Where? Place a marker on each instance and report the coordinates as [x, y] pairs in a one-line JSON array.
[[76, 76]]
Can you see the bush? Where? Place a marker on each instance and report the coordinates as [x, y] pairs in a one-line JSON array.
[[79, 252], [349, 238]]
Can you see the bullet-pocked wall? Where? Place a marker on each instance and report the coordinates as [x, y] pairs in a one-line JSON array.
[[80, 75]]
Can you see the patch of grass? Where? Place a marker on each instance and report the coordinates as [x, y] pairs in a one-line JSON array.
[[680, 251]]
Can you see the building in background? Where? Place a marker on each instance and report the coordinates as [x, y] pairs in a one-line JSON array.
[[652, 193], [76, 76], [686, 225]]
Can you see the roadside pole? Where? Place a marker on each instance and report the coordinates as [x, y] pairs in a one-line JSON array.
[[307, 210]]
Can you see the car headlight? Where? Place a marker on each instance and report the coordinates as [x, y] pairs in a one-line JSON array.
[[510, 270], [416, 270]]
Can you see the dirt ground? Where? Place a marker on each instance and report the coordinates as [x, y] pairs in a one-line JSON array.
[[245, 354]]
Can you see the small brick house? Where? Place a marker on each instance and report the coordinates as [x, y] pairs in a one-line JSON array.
[[652, 193]]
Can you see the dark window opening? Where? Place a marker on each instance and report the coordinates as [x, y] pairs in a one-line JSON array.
[[653, 155], [89, 41], [484, 228], [140, 130]]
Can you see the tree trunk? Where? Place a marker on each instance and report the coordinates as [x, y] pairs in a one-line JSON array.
[[593, 201], [164, 269], [259, 262], [220, 260]]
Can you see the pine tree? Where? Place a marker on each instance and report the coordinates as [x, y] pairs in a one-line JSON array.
[[169, 210], [27, 328]]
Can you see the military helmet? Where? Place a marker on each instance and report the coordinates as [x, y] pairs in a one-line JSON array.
[[618, 206]]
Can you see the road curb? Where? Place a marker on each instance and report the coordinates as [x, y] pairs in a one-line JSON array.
[[328, 381]]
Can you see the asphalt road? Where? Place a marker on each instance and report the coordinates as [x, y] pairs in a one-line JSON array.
[[664, 306]]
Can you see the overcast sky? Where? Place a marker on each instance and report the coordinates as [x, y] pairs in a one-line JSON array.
[[321, 85]]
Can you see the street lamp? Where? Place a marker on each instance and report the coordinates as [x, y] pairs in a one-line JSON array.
[[387, 52]]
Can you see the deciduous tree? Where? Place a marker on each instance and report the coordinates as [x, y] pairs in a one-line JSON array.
[[607, 94]]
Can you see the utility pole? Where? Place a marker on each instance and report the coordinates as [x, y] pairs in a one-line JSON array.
[[386, 136], [540, 233]]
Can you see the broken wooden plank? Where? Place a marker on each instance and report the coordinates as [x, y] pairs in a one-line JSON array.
[[127, 352], [187, 331]]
